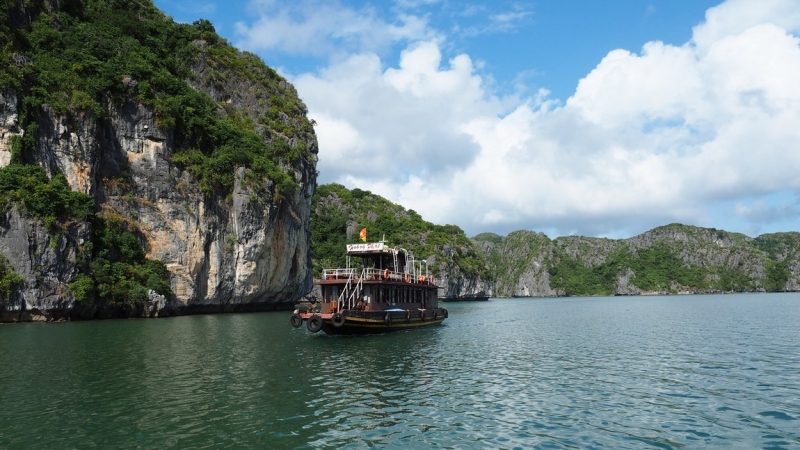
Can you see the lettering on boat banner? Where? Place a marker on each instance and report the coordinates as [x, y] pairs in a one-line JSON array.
[[367, 247]]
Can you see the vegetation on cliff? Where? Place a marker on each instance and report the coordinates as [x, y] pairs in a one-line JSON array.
[[669, 259], [338, 214], [86, 58], [113, 264], [115, 267], [50, 200], [8, 279], [509, 257], [85, 55]]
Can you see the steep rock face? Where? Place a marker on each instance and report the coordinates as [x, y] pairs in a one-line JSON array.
[[46, 262], [625, 284], [534, 281], [784, 248], [591, 251], [454, 281], [247, 251], [793, 283], [703, 247], [519, 263], [9, 123], [84, 103], [221, 252], [523, 263]]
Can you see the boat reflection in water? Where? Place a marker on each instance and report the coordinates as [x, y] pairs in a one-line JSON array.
[[388, 292]]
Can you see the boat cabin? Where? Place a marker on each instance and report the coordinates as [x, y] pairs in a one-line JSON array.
[[378, 278]]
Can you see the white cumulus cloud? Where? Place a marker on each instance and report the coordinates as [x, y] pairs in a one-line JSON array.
[[651, 136], [324, 28]]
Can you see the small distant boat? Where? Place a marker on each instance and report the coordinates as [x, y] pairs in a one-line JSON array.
[[481, 297], [389, 292]]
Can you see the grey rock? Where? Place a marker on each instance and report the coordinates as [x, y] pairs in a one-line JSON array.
[[249, 251], [9, 123], [46, 262]]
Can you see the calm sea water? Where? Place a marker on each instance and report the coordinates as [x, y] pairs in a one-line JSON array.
[[641, 372]]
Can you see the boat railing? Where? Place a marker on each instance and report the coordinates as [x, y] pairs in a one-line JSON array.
[[338, 274], [390, 275], [372, 273]]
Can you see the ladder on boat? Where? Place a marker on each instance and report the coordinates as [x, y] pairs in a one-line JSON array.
[[351, 293]]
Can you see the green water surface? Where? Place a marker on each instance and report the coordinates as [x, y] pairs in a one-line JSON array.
[[645, 372]]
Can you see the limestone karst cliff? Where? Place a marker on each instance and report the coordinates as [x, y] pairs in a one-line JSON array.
[[203, 152], [669, 259]]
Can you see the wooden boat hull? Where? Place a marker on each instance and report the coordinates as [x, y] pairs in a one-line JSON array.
[[369, 322]]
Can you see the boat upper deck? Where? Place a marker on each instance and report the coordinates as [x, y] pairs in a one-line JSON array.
[[380, 264], [373, 275]]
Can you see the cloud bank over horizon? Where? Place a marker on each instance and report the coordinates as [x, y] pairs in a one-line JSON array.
[[704, 133]]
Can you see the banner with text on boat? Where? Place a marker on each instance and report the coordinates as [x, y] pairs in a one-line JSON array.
[[368, 247]]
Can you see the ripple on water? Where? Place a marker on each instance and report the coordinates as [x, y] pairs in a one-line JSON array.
[[776, 415]]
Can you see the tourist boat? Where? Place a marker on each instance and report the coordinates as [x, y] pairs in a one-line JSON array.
[[387, 291]]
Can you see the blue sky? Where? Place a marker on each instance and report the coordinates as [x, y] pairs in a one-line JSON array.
[[543, 44], [571, 117]]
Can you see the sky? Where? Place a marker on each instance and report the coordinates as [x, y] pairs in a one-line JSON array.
[[570, 117]]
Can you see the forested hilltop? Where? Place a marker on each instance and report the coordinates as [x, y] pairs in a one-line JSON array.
[[670, 259], [338, 214], [146, 167]]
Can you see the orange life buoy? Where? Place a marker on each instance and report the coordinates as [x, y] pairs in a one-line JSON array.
[[386, 274], [405, 277]]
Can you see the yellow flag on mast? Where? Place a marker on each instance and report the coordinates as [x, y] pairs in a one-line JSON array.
[[363, 234]]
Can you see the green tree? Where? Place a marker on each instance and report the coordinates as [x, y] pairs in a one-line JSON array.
[[9, 280]]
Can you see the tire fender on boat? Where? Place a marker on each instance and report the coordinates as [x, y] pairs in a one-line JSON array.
[[387, 319], [444, 312], [408, 316], [435, 315], [314, 323], [338, 320], [296, 320]]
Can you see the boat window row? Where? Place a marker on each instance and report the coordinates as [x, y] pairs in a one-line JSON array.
[[385, 294]]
